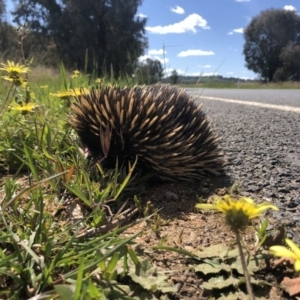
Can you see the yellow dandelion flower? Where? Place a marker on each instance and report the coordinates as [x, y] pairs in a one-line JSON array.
[[63, 95], [71, 93], [75, 74], [293, 253], [24, 108], [99, 80], [18, 81], [14, 70], [237, 212]]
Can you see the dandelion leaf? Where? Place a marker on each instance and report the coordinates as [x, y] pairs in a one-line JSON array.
[[219, 250], [211, 268], [253, 264], [119, 290], [237, 295], [219, 283], [150, 279]]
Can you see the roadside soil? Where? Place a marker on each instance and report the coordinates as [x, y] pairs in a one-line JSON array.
[[181, 226]]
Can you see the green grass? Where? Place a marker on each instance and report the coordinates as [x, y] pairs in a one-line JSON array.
[[60, 234]]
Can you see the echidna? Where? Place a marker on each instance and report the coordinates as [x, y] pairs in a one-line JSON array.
[[159, 124]]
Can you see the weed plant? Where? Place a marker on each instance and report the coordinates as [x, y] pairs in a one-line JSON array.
[[59, 228]]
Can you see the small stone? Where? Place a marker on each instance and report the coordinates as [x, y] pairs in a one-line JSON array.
[[292, 204], [245, 194], [283, 190], [296, 219], [268, 194], [295, 186], [253, 188]]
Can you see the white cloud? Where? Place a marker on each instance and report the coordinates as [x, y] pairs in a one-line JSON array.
[[188, 24], [186, 73], [156, 52], [169, 71], [142, 16], [238, 30], [247, 78], [230, 73], [248, 18], [290, 7], [181, 72], [209, 74], [195, 52], [199, 74], [162, 60], [178, 10], [242, 0], [143, 58], [205, 66]]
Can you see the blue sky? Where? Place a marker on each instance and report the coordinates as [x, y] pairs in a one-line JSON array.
[[203, 36]]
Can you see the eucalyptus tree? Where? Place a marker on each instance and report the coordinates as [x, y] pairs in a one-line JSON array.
[[266, 38], [149, 71], [105, 36]]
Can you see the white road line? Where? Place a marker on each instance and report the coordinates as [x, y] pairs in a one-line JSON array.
[[280, 107]]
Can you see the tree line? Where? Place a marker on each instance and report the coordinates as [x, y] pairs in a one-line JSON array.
[[106, 37], [272, 45]]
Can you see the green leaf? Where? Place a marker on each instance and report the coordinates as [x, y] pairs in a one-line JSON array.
[[206, 268], [29, 162], [262, 230], [90, 264], [65, 292], [219, 283], [77, 192], [95, 292], [111, 266], [132, 255], [30, 188], [126, 180], [253, 264], [38, 260], [219, 251], [147, 276], [79, 280], [64, 76]]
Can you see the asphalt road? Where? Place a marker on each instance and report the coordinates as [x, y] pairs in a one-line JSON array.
[[277, 97], [262, 144]]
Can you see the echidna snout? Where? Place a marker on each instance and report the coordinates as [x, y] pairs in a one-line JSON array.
[[159, 124]]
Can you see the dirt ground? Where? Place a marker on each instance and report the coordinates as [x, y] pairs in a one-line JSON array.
[[181, 226]]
